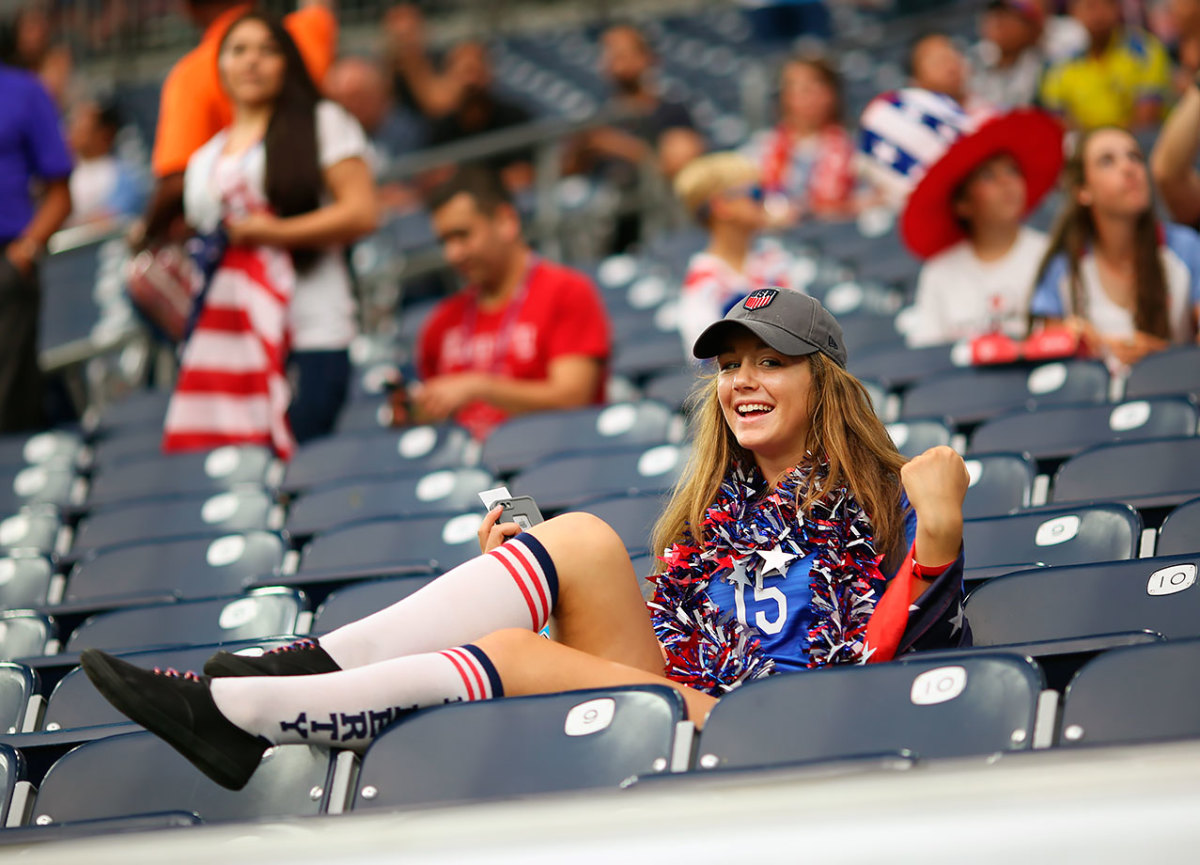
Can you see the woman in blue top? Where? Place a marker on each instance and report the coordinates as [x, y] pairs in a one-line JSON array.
[[785, 547], [1126, 284]]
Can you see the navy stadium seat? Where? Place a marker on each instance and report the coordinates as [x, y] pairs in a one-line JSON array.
[[40, 484], [23, 635], [264, 613], [68, 279], [524, 440], [17, 684], [382, 548], [181, 474], [643, 567], [1087, 600], [12, 772], [373, 455], [934, 707], [674, 388], [644, 358], [568, 481], [75, 704], [897, 366], [973, 395], [1065, 430], [138, 774], [35, 530], [1153, 473], [413, 317], [130, 445], [914, 437], [1135, 694], [201, 567], [878, 396], [208, 515], [1000, 484], [438, 492], [24, 581], [522, 745], [351, 603], [631, 517], [1180, 532], [1068, 536], [55, 447], [1175, 371], [139, 410], [365, 415], [863, 331]]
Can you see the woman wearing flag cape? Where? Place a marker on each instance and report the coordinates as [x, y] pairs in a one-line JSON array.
[[797, 538]]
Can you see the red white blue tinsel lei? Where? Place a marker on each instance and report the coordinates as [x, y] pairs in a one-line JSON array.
[[714, 652]]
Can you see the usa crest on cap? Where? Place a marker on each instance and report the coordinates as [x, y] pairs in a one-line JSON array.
[[759, 299]]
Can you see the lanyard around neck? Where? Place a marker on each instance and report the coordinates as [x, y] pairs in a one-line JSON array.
[[507, 325]]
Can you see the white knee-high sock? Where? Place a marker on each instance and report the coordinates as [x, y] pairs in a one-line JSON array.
[[513, 586], [350, 708]]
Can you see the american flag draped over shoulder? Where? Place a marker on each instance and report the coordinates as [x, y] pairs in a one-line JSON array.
[[232, 387]]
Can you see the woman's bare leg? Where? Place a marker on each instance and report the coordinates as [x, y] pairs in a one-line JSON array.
[[530, 664], [607, 641], [599, 608]]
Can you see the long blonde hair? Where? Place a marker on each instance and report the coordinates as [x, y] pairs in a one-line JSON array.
[[844, 430]]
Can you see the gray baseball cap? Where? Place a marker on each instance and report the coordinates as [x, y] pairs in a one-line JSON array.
[[788, 321]]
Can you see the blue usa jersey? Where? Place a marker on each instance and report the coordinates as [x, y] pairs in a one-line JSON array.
[[780, 609]]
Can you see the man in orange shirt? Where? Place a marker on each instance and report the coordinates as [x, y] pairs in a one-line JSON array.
[[193, 106]]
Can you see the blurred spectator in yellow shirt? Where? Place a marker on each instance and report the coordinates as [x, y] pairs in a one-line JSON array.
[[1122, 79]]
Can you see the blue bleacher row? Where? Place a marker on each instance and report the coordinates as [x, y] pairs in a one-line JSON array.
[[102, 507], [1083, 531], [977, 705], [112, 548], [99, 507]]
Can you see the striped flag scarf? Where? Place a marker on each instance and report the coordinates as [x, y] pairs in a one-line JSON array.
[[232, 387]]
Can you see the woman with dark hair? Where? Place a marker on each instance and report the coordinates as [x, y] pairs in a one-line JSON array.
[[807, 159], [797, 538], [1126, 284], [288, 186]]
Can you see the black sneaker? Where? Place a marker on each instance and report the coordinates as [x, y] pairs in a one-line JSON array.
[[179, 708], [301, 658]]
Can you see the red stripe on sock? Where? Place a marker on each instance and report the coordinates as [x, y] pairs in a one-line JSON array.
[[461, 672], [534, 575], [473, 665], [516, 575]]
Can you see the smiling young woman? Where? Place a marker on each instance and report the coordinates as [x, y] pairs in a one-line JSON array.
[[798, 538]]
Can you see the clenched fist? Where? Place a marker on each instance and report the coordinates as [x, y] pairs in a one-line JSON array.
[[936, 482]]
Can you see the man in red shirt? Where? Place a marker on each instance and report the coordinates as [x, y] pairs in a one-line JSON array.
[[523, 335]]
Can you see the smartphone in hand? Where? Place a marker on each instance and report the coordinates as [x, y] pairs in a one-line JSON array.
[[522, 510]]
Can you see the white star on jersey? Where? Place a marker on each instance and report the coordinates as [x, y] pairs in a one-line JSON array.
[[774, 559]]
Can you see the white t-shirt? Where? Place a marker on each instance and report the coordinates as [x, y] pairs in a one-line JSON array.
[[1181, 265], [961, 297], [322, 313]]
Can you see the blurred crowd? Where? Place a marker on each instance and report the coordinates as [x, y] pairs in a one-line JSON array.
[[1091, 62], [1118, 76]]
